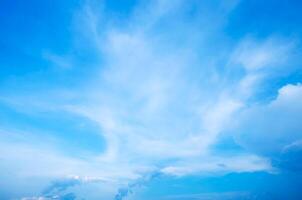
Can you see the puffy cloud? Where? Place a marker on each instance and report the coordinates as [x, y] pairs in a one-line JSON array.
[[273, 128]]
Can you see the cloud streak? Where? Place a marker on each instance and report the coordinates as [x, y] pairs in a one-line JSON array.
[[163, 88]]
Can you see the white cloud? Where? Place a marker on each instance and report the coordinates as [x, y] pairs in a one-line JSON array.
[[212, 163], [255, 55], [269, 128], [153, 105], [162, 104]]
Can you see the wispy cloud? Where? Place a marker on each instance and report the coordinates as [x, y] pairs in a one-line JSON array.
[[165, 87], [57, 60]]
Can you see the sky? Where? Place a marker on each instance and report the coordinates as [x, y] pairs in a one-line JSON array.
[[150, 100]]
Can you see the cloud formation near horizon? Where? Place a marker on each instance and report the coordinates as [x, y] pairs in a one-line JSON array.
[[141, 87]]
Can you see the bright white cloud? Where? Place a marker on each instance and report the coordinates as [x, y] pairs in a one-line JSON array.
[[269, 128]]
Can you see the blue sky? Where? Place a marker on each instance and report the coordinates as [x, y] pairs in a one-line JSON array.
[[144, 100]]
